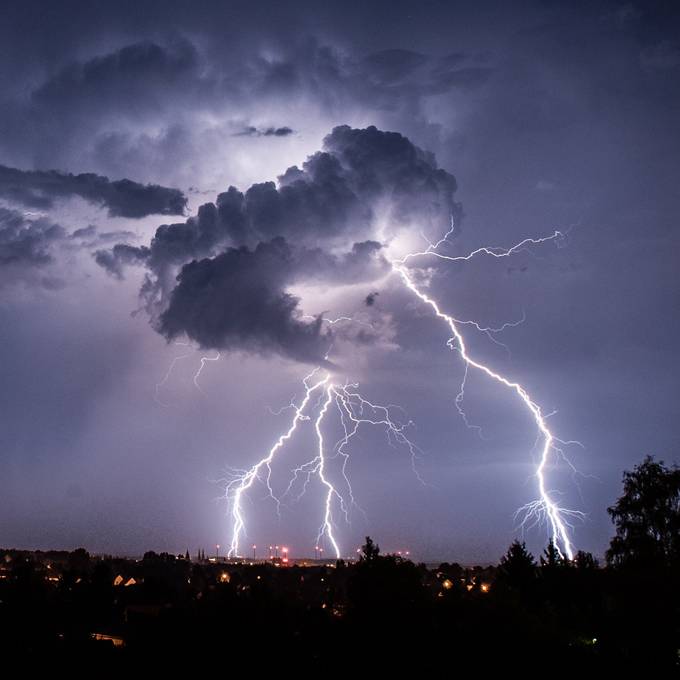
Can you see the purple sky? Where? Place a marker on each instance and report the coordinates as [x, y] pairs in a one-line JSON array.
[[550, 116]]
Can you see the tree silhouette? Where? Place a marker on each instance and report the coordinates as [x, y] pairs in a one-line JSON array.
[[584, 561], [518, 567], [551, 558], [383, 584], [647, 517], [370, 550]]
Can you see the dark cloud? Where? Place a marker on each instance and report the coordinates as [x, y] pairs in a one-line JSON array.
[[336, 192], [91, 236], [122, 198], [121, 254], [221, 277], [129, 79], [26, 248], [331, 200], [252, 131], [90, 231], [139, 109], [371, 298], [237, 300]]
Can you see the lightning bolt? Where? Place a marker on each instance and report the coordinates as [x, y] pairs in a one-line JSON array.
[[355, 411], [545, 508], [241, 483], [204, 360], [326, 528]]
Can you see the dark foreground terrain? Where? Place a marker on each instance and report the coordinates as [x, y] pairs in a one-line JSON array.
[[382, 610], [105, 615]]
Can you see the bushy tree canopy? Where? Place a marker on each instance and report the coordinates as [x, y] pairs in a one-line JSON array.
[[647, 517]]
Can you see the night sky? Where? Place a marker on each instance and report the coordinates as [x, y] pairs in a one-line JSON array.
[[182, 179]]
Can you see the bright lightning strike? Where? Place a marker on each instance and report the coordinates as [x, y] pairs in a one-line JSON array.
[[327, 525], [545, 508], [241, 483], [355, 411]]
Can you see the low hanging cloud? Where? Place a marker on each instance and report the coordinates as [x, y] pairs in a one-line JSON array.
[[238, 299], [122, 198], [222, 278], [27, 248], [33, 248]]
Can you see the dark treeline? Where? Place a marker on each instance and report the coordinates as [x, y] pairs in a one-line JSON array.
[[548, 614]]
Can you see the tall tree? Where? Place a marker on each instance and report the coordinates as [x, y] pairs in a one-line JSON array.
[[647, 516], [517, 567], [551, 557]]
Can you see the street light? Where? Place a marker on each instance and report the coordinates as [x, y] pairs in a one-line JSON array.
[[254, 549]]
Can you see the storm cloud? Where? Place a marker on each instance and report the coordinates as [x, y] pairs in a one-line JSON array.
[[141, 108], [122, 198], [221, 277], [238, 298], [27, 248]]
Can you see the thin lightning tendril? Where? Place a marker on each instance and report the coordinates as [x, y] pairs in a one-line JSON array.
[[166, 377], [201, 367]]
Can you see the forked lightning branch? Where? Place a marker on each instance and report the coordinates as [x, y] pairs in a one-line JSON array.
[[324, 398]]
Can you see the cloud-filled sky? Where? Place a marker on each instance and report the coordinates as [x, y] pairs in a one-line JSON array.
[[182, 181]]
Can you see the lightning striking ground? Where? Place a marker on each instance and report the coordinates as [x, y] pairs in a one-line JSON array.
[[545, 507], [355, 411]]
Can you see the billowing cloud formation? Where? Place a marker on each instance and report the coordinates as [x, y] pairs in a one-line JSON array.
[[26, 248], [122, 198], [238, 299], [222, 278], [140, 110]]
